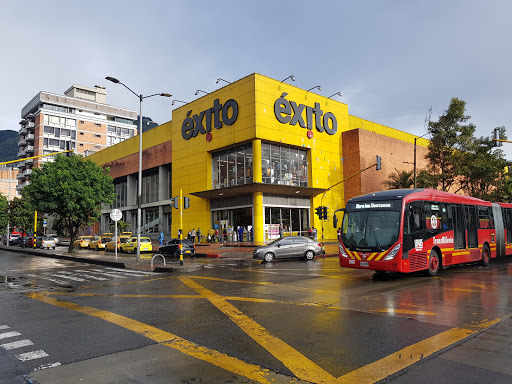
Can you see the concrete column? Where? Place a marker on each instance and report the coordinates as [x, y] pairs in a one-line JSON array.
[[259, 226]]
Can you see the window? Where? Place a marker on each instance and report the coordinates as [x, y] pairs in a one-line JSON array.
[[284, 165], [97, 125], [53, 142], [150, 186], [232, 166], [121, 195], [81, 122], [81, 145], [97, 135], [50, 130], [81, 133], [111, 128], [485, 220]]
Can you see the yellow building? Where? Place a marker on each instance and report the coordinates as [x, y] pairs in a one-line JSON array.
[[257, 154]]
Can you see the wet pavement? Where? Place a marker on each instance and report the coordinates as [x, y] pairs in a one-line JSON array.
[[455, 328]]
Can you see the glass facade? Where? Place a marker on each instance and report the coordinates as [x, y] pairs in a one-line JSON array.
[[150, 188], [295, 221], [284, 165], [232, 166]]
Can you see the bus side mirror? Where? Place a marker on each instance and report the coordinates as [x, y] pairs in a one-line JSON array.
[[335, 221]]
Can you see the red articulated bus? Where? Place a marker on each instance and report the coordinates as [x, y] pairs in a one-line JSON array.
[[411, 230]]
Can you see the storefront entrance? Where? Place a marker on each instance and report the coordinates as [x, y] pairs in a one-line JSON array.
[[231, 220], [294, 221]]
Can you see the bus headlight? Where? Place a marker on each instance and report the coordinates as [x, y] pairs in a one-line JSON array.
[[342, 251], [393, 252]]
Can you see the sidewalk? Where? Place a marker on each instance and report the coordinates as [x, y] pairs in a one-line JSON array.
[[190, 264]]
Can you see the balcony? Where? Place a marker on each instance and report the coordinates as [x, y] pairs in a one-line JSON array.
[[27, 172], [21, 176], [22, 142], [29, 137], [23, 131], [22, 165], [22, 153], [29, 162], [30, 149]]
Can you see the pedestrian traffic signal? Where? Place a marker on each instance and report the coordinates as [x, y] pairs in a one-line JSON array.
[[186, 202], [324, 213], [175, 202]]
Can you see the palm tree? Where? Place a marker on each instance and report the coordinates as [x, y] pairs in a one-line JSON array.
[[400, 180]]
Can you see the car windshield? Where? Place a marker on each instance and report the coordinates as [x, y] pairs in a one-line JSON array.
[[370, 230]]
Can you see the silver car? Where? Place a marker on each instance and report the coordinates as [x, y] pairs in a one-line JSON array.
[[287, 247]]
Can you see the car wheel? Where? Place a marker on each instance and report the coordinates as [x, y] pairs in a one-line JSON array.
[[433, 264], [53, 247], [310, 255], [269, 256]]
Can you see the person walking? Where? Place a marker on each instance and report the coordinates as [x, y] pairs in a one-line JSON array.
[[216, 236], [315, 234], [161, 238], [310, 233], [241, 234], [281, 231], [199, 234], [193, 235]]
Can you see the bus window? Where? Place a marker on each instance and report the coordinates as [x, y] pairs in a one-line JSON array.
[[446, 218], [485, 218], [433, 217], [459, 227], [414, 218]]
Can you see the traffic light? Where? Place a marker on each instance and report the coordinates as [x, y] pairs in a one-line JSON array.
[[324, 213], [175, 202], [318, 211], [186, 202], [379, 163], [496, 137]]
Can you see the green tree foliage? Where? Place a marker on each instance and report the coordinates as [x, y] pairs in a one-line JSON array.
[[122, 225], [3, 214], [21, 215], [72, 189], [451, 139], [400, 179], [459, 162]]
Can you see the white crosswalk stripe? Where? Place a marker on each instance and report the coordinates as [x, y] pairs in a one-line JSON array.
[[68, 277], [17, 344], [46, 366], [131, 271], [111, 274], [31, 355], [5, 335], [89, 276], [4, 327]]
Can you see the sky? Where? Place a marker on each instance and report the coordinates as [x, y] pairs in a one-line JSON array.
[[391, 60]]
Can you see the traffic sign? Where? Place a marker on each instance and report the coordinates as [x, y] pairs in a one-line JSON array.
[[116, 215], [45, 223]]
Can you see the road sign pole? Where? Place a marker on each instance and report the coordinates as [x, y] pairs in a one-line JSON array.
[[181, 226], [116, 215]]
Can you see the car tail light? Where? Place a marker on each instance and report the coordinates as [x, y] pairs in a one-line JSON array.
[[319, 244]]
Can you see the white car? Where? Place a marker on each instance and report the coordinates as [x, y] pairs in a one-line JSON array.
[[46, 242]]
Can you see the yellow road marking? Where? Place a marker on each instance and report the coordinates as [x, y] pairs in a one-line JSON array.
[[404, 311], [297, 363], [232, 364], [397, 361]]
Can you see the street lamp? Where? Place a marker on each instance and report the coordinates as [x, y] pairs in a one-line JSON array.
[[139, 194], [415, 140]]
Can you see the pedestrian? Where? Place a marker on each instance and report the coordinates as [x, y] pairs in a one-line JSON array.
[[252, 238], [310, 233], [193, 235], [180, 232], [281, 232], [225, 233], [198, 235], [241, 234], [315, 234], [216, 235], [161, 238]]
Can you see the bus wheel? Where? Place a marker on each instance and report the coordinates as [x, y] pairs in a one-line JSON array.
[[486, 256], [433, 264]]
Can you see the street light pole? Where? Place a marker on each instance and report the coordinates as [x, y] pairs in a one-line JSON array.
[[415, 140], [139, 186]]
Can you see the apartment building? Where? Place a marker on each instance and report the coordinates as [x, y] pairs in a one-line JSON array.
[[80, 120]]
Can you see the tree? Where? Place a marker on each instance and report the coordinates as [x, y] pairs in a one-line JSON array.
[[4, 206], [122, 225], [21, 214], [400, 179], [72, 189]]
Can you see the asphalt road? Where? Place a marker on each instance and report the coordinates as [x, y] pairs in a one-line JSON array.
[[238, 321]]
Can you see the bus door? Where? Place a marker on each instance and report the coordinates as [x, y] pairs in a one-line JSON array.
[[459, 229], [472, 228]]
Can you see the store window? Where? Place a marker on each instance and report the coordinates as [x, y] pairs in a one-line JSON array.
[[284, 165], [294, 221], [232, 166]]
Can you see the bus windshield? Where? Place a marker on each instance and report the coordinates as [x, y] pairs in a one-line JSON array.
[[370, 230]]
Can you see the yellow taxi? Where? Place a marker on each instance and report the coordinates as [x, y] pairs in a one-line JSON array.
[[111, 245], [99, 242], [128, 234], [82, 241], [107, 234], [131, 246]]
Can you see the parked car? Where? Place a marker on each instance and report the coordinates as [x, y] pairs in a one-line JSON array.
[[288, 247], [129, 234], [99, 242], [55, 236], [13, 239], [131, 246], [111, 245], [171, 248], [82, 241], [26, 242], [45, 242]]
